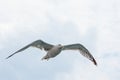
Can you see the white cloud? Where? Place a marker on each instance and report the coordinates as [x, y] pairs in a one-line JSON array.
[[107, 69], [76, 12], [6, 30], [83, 72], [108, 40], [24, 20]]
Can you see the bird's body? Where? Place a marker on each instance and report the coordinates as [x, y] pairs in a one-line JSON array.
[[54, 50]]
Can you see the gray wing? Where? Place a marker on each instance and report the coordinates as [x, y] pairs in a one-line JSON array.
[[82, 50], [38, 44]]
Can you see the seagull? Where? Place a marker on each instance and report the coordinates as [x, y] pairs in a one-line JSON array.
[[54, 50]]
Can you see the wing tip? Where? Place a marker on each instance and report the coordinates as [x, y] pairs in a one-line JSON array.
[[94, 61], [10, 55], [7, 57]]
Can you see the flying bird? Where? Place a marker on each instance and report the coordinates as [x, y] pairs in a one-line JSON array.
[[54, 50]]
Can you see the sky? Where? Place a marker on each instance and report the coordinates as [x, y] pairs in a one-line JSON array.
[[93, 23]]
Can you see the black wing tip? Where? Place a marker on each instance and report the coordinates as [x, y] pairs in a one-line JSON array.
[[8, 57], [94, 61]]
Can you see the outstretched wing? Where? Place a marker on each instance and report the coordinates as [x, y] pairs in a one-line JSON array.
[[38, 44], [82, 50]]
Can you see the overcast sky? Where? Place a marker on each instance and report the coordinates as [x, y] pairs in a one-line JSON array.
[[93, 23]]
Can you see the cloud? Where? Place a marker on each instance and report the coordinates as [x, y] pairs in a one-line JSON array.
[[108, 39], [57, 21], [79, 14]]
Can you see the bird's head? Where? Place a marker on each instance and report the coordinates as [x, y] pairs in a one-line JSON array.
[[60, 46]]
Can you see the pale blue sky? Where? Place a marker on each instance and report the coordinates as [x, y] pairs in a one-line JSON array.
[[93, 23]]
